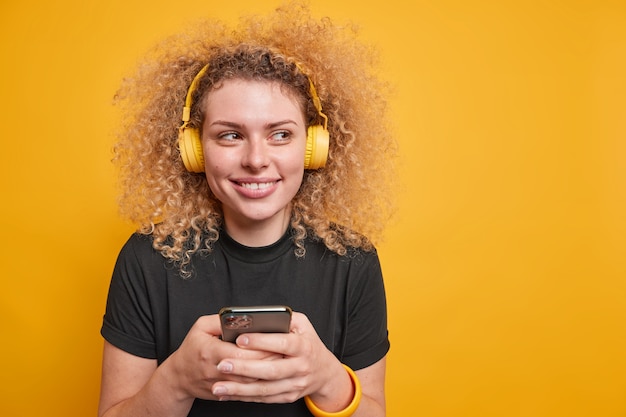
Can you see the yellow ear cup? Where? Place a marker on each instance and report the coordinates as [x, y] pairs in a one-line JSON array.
[[189, 142], [316, 150], [191, 149]]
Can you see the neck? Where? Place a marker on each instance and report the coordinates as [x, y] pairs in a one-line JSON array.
[[257, 234]]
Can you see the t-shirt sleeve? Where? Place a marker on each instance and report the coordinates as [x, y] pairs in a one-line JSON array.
[[127, 322], [367, 336]]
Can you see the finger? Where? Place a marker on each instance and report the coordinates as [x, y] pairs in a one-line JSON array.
[[279, 391], [209, 324], [267, 370], [300, 323], [283, 343], [233, 351], [273, 343]]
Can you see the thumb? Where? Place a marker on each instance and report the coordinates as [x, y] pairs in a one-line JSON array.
[[209, 324], [300, 323]]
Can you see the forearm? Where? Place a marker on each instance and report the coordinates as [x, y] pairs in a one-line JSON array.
[[156, 398], [346, 392], [369, 408]]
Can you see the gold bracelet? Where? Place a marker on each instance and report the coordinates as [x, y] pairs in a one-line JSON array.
[[346, 412]]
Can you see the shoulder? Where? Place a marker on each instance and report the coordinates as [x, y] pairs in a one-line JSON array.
[[354, 260], [138, 253], [138, 241], [348, 252]]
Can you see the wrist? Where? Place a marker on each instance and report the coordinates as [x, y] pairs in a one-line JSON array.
[[349, 409], [169, 377]]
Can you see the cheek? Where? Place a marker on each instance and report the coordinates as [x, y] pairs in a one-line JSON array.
[[217, 190], [216, 161], [293, 159], [297, 163], [214, 172]]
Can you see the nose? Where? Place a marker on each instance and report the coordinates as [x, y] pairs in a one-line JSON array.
[[256, 154]]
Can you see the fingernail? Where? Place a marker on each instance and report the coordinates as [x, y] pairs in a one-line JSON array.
[[225, 367], [219, 390], [243, 341]]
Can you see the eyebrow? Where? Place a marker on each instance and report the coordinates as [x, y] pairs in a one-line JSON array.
[[239, 126]]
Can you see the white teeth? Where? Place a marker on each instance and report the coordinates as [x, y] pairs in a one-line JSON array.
[[257, 185]]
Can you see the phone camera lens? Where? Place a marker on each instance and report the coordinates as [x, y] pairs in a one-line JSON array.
[[245, 321], [238, 322]]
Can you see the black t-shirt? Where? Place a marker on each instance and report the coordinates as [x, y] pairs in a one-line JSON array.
[[150, 307]]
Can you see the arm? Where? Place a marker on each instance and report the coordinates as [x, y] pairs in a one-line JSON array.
[[372, 381], [135, 387]]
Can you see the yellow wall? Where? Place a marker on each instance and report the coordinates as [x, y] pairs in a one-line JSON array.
[[505, 265]]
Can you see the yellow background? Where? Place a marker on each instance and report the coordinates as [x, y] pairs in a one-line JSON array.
[[505, 265]]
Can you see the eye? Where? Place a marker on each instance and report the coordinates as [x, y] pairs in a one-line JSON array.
[[281, 136], [229, 136]]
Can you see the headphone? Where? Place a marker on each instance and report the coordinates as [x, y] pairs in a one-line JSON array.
[[190, 144]]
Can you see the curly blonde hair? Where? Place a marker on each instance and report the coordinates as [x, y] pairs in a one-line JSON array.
[[344, 204]]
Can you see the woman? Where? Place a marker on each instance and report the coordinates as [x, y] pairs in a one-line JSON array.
[[241, 201]]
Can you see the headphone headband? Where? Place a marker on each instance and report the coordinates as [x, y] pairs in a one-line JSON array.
[[192, 88], [316, 100]]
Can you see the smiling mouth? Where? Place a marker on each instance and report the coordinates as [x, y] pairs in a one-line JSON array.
[[257, 185]]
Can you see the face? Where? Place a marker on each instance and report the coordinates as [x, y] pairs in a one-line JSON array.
[[253, 138]]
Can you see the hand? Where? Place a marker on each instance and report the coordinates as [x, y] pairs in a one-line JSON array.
[[193, 370], [306, 367]]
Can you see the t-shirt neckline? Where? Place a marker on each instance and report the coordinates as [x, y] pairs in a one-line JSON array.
[[258, 254]]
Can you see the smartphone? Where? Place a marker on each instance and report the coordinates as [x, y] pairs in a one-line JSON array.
[[255, 319]]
